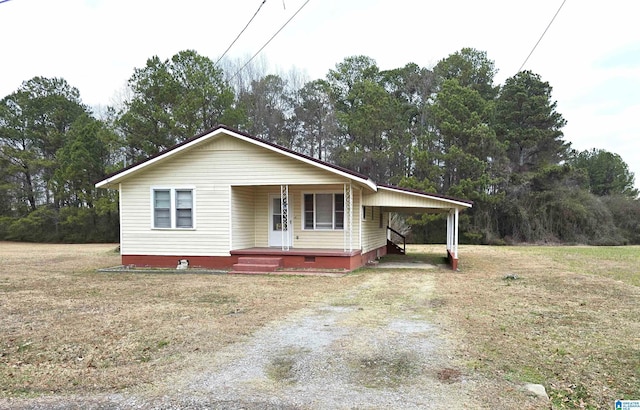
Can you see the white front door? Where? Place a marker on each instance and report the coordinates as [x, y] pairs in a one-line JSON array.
[[276, 236]]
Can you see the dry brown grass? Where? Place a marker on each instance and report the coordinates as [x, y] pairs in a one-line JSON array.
[[570, 320], [66, 328]]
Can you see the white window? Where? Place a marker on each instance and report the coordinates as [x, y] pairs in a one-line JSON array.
[[323, 211], [184, 208], [162, 208], [173, 208]]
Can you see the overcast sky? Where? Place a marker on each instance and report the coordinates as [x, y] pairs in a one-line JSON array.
[[590, 55]]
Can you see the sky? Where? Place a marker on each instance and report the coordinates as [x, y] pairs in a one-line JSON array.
[[590, 55]]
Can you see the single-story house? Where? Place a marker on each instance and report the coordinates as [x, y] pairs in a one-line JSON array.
[[226, 200]]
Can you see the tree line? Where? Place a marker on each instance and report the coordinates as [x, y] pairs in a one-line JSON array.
[[448, 129]]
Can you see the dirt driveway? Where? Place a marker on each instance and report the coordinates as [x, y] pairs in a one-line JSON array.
[[351, 352], [376, 345]]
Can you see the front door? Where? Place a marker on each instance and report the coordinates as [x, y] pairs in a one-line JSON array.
[[276, 236]]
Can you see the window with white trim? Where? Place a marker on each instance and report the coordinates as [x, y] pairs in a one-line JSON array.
[[162, 208], [173, 208], [323, 211]]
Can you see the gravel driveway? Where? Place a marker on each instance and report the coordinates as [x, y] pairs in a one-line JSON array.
[[358, 351]]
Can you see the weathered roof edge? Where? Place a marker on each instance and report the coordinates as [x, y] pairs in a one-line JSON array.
[[223, 128], [462, 202]]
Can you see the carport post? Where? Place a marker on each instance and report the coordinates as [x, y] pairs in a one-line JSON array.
[[452, 237], [455, 234], [450, 231]]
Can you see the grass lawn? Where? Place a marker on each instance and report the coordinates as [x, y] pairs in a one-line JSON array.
[[67, 329], [570, 319]]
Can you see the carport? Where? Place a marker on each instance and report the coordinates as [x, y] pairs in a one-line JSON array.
[[408, 201]]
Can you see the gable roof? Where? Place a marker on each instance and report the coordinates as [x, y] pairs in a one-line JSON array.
[[114, 178]]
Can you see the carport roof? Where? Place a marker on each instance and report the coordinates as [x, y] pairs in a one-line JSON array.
[[398, 199]]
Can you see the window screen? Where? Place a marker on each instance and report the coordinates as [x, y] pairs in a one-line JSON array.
[[173, 208], [184, 209], [324, 211], [162, 209]]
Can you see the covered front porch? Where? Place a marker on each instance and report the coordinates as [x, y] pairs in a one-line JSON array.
[[313, 217], [326, 226]]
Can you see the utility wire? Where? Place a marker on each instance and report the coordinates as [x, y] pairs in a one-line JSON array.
[[268, 41], [543, 33], [3, 1], [242, 31]]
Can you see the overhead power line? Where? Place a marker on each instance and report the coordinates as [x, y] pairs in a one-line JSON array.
[[543, 33], [242, 31], [268, 41]]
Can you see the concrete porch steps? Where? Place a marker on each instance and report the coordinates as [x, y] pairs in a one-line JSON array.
[[251, 264]]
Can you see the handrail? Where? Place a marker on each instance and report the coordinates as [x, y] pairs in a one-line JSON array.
[[404, 239]]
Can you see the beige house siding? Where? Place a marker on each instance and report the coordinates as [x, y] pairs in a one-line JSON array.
[[325, 239], [243, 216], [232, 180], [262, 213], [210, 236], [243, 163], [374, 234]]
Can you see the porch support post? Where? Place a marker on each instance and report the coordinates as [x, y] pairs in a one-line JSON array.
[[348, 217], [284, 208]]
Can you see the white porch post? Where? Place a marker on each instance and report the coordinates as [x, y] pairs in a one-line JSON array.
[[348, 218], [455, 234], [449, 230], [284, 209]]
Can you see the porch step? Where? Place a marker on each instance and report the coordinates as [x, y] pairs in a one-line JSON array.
[[260, 260], [239, 267], [392, 248], [249, 264]]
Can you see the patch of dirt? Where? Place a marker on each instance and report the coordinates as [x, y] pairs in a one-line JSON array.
[[449, 375]]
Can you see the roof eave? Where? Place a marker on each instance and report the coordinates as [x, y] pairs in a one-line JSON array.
[[453, 201]]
